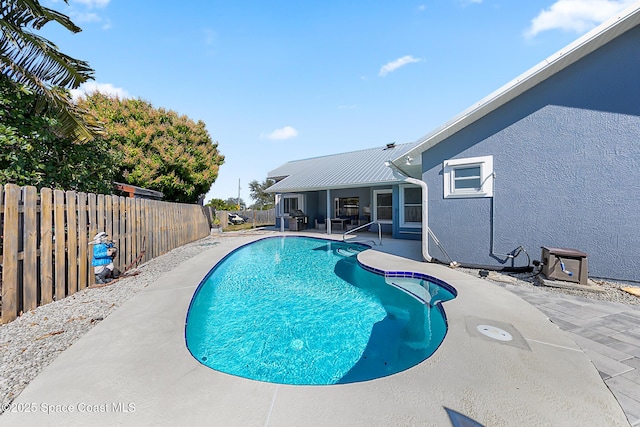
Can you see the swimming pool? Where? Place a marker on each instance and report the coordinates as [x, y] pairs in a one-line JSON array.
[[301, 310]]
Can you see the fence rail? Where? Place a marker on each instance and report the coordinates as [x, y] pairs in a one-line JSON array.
[[44, 246]]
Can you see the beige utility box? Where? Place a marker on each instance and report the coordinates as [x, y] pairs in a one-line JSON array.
[[574, 262]]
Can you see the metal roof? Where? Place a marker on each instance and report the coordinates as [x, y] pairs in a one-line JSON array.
[[354, 169], [598, 37]]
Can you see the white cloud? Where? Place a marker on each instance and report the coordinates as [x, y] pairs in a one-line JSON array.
[[84, 11], [394, 65], [89, 17], [104, 88], [79, 18], [347, 107], [92, 3], [578, 16], [282, 133]]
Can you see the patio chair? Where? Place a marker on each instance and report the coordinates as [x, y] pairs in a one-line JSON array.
[[321, 224]]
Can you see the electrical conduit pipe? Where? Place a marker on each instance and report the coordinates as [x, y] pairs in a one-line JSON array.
[[425, 228]]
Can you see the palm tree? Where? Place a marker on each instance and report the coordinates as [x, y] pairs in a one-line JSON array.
[[34, 62]]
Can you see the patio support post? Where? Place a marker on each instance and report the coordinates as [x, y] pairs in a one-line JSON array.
[[328, 220], [279, 210]]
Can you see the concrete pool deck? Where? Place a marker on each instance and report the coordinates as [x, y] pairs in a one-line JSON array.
[[134, 369]]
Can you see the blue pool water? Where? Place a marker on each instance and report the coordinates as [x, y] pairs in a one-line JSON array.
[[298, 310]]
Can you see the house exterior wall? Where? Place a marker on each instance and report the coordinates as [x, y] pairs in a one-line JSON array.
[[566, 158], [311, 206], [406, 233]]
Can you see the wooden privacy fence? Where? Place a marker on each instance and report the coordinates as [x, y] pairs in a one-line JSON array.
[[257, 218], [45, 239]]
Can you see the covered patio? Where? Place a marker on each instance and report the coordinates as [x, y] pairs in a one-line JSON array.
[[349, 190]]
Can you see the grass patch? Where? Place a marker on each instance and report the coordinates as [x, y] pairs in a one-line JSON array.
[[246, 226]]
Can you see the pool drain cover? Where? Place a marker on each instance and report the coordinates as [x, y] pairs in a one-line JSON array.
[[297, 344], [495, 332]]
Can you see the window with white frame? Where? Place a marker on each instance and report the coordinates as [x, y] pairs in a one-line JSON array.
[[290, 202], [410, 206], [383, 206], [470, 177]]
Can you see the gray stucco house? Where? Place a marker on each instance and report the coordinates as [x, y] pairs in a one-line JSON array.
[[550, 159]]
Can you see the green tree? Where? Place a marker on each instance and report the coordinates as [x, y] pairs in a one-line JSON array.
[[231, 204], [236, 203], [160, 149], [220, 205], [34, 62], [33, 153], [257, 191]]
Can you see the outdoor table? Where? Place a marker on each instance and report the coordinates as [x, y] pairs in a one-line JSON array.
[[340, 220]]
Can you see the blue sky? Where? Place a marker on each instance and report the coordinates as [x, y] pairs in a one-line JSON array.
[[276, 81]]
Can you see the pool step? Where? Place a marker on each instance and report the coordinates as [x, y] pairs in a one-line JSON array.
[[412, 287], [349, 251]]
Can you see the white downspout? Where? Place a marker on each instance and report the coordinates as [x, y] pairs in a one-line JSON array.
[[425, 213]]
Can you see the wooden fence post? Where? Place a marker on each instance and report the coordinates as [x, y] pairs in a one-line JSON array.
[[29, 249], [46, 245], [123, 217], [101, 214], [93, 230], [72, 243], [114, 234], [138, 227], [83, 241], [130, 217], [144, 228], [59, 246], [10, 253]]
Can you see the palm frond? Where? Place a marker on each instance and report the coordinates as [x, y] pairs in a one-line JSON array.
[[35, 62], [30, 13]]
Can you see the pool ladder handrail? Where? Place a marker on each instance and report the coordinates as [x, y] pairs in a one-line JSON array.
[[344, 235]]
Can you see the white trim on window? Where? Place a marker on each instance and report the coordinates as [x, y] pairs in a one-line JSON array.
[[414, 204], [284, 206], [470, 177], [374, 208]]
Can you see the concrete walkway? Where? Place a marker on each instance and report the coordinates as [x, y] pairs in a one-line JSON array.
[[609, 334], [134, 369]]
